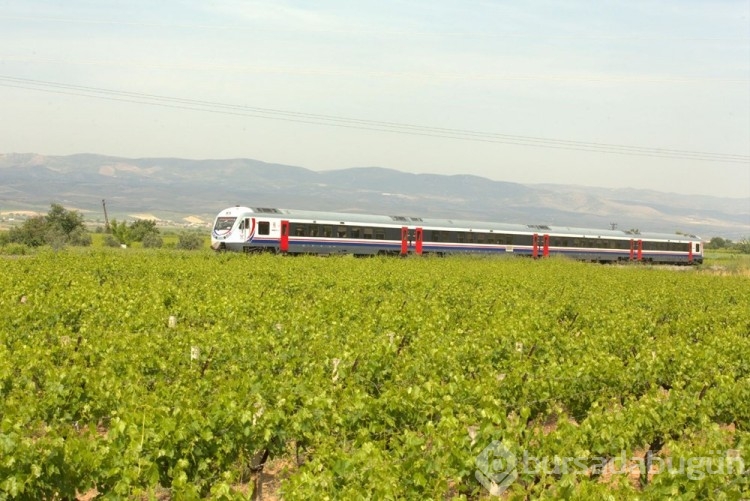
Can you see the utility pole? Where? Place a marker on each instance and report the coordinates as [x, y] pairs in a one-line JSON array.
[[106, 219], [613, 225]]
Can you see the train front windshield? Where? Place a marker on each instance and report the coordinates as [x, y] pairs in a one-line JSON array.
[[224, 223]]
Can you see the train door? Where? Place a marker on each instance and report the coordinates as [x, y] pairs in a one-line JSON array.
[[404, 241], [636, 249], [284, 240], [245, 228], [418, 241], [535, 246], [545, 249]]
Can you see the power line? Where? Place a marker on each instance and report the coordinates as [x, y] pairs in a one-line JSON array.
[[361, 124]]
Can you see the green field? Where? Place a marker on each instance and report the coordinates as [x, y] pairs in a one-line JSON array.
[[315, 378]]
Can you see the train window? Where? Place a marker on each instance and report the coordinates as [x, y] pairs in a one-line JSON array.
[[313, 230], [461, 237], [341, 233], [356, 233], [367, 233], [224, 223], [242, 224], [480, 238], [379, 234], [263, 227], [697, 247], [299, 230], [327, 231], [522, 240], [435, 236]]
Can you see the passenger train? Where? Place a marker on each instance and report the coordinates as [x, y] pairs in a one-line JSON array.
[[306, 232]]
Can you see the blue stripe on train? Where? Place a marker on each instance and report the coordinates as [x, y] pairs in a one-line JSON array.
[[426, 247]]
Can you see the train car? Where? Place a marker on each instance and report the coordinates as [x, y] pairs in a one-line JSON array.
[[286, 231]]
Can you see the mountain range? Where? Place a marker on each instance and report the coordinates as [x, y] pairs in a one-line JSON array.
[[174, 189]]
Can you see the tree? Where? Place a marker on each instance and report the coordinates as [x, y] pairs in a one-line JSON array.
[[717, 243], [59, 227], [142, 227], [64, 220], [120, 232], [743, 246], [33, 232], [134, 232]]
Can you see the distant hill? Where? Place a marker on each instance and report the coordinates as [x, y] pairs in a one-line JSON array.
[[172, 188]]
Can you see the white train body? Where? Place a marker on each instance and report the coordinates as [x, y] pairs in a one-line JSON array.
[[306, 232]]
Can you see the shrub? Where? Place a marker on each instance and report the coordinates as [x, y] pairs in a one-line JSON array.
[[15, 249], [189, 241], [55, 238], [152, 241], [111, 241], [79, 237]]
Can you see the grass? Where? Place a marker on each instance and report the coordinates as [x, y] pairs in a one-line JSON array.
[[170, 240], [722, 262]]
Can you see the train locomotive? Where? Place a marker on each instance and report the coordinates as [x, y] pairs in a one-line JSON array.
[[293, 232]]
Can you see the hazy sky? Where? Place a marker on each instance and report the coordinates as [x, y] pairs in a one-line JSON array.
[[536, 81]]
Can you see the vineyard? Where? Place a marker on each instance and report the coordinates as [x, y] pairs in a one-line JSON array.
[[177, 375]]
